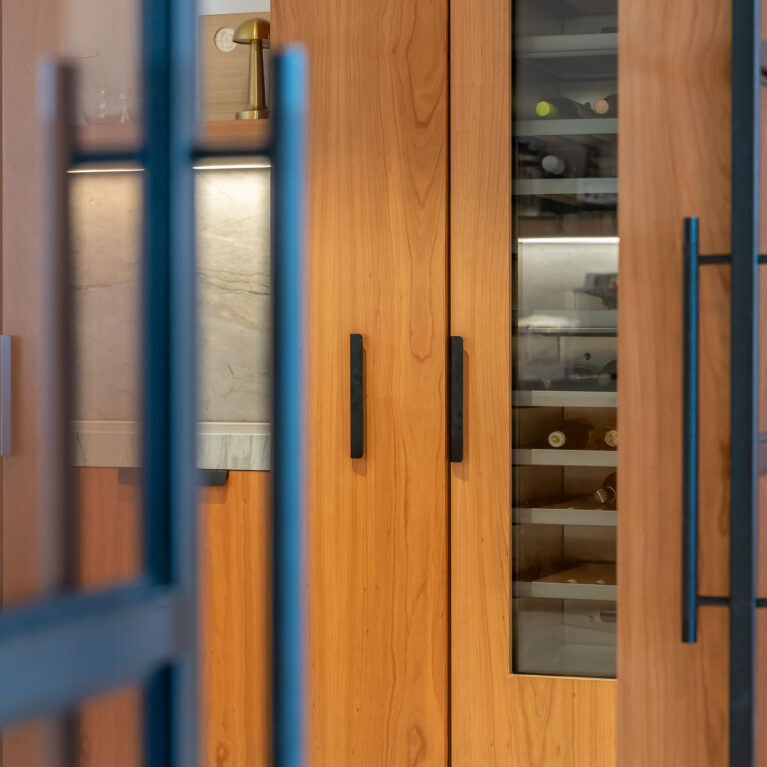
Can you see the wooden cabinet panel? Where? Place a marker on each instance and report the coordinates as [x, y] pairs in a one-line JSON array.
[[674, 161], [22, 43], [235, 637], [378, 266], [498, 718], [235, 553]]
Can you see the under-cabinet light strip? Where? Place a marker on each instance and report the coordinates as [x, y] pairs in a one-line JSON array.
[[568, 240], [251, 166], [78, 171]]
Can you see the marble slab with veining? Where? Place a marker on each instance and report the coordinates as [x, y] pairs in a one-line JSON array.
[[234, 313]]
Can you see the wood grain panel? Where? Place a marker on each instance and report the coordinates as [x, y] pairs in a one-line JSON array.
[[23, 41], [714, 444], [378, 266], [235, 568], [215, 134], [109, 552], [482, 716], [674, 159], [497, 718], [235, 613]]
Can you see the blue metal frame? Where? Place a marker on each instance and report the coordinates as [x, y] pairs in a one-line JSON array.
[[69, 648], [744, 379], [288, 473], [170, 373]]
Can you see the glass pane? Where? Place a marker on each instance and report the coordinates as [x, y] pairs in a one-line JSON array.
[[105, 732], [565, 337]]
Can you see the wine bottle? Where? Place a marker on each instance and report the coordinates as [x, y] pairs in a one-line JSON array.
[[610, 438], [607, 494], [575, 161], [578, 163], [573, 434], [560, 107], [553, 165], [607, 107]]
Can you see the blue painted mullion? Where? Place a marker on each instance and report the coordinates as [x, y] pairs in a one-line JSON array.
[[169, 276]]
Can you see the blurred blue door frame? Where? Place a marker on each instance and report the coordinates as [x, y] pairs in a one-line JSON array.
[[69, 648]]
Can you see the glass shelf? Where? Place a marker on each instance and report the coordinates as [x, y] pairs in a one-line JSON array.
[[578, 126], [567, 322], [566, 186], [590, 580], [555, 46], [561, 457], [555, 514], [569, 57], [555, 398]]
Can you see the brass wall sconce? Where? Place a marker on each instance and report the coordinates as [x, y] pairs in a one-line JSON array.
[[255, 33]]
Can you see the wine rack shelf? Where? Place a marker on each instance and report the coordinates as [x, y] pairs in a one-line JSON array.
[[560, 457], [585, 126], [569, 319], [565, 186], [549, 398], [574, 58], [555, 46], [595, 581], [547, 515]]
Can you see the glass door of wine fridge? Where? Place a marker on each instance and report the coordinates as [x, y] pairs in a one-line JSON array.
[[565, 296]]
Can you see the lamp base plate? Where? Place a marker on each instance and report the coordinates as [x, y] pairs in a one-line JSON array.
[[253, 114]]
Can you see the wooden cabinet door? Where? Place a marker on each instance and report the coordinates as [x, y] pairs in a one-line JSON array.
[[378, 267], [674, 162], [498, 717]]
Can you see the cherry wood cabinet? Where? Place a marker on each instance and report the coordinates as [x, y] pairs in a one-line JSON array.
[[413, 238], [378, 266]]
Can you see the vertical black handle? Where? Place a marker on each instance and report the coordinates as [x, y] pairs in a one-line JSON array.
[[456, 399], [357, 395], [690, 432]]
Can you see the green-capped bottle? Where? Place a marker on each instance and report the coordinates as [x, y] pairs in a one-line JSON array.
[[560, 107]]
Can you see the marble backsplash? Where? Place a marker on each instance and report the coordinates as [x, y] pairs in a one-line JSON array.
[[235, 305]]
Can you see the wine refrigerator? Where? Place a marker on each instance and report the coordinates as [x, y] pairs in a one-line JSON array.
[[565, 299]]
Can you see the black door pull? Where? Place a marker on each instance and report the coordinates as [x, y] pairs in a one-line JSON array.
[[456, 399], [690, 400], [357, 395]]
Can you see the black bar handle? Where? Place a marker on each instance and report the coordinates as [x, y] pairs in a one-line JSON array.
[[357, 394], [690, 261], [456, 399]]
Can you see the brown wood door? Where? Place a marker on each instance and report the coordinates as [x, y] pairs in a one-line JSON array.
[[378, 263], [674, 162], [497, 717]]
